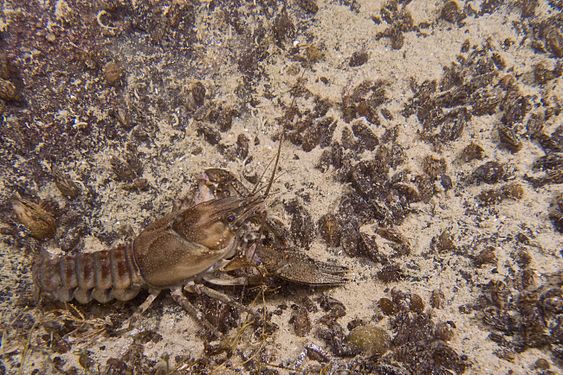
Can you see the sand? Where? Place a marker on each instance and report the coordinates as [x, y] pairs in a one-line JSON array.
[[256, 61]]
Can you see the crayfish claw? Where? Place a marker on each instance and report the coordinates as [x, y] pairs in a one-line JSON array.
[[294, 266]]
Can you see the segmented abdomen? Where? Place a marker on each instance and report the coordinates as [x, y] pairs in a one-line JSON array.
[[102, 275]]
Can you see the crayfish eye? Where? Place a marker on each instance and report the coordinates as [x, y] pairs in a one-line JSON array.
[[231, 218]]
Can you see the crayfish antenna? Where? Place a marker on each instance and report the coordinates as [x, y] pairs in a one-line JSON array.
[[272, 179], [275, 165]]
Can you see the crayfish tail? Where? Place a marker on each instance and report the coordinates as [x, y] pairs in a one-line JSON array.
[[102, 275]]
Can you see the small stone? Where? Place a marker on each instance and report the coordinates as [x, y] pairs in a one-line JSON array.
[[416, 304], [437, 299], [513, 191], [444, 242], [450, 12], [509, 139], [554, 40], [137, 184], [397, 39], [542, 73], [367, 246], [35, 218], [302, 226], [444, 331], [195, 96], [330, 229], [301, 321], [66, 185], [8, 90], [85, 359], [350, 240], [314, 54], [486, 256], [371, 340], [366, 138], [211, 135], [5, 67], [243, 144], [542, 364], [358, 58], [528, 8], [490, 173], [283, 28], [434, 166], [50, 37], [112, 72], [471, 152], [388, 306], [390, 273], [310, 6]]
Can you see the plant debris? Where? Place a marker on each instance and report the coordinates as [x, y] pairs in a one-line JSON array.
[[422, 149]]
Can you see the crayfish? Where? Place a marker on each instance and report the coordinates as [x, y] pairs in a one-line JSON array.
[[225, 228]]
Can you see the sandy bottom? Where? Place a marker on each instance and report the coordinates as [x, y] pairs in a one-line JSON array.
[[422, 150]]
